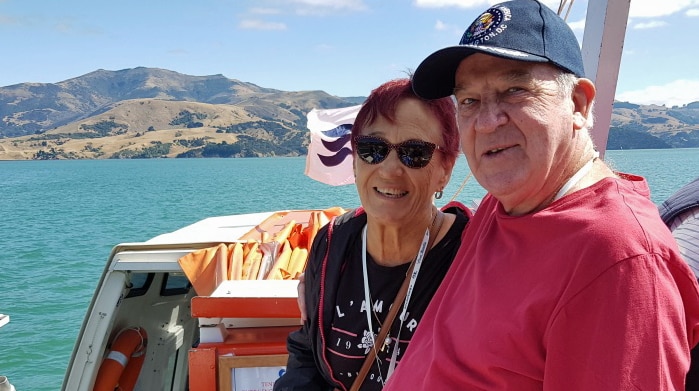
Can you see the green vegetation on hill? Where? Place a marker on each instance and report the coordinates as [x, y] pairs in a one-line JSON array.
[[156, 150], [188, 119], [628, 138], [105, 128]]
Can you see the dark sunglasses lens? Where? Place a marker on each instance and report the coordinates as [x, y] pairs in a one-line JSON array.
[[415, 154], [372, 151]]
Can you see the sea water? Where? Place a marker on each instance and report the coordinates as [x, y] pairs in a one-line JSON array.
[[60, 219]]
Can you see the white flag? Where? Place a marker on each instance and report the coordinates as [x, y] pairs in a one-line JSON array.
[[329, 158]]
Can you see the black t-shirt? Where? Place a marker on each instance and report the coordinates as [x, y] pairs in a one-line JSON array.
[[349, 341]]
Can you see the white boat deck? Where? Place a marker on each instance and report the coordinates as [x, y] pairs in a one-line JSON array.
[[213, 229]]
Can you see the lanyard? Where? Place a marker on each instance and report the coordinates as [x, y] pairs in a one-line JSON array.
[[411, 285], [576, 177]]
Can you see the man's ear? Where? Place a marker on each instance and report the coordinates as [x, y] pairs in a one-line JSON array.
[[583, 96]]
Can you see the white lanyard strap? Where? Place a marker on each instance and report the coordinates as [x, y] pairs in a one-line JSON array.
[[404, 314], [367, 300], [576, 177], [411, 286]]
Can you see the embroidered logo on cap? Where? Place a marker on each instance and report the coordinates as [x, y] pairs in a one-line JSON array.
[[487, 26]]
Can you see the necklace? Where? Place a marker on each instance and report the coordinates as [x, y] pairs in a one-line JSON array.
[[413, 277]]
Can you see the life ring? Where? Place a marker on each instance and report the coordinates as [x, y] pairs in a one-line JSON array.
[[121, 367]]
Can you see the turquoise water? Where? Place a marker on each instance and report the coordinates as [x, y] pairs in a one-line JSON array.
[[60, 219]]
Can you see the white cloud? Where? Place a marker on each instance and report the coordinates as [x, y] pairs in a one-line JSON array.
[[655, 8], [451, 29], [319, 7], [251, 24], [676, 93], [649, 25], [308, 7], [264, 11], [638, 9], [553, 4]]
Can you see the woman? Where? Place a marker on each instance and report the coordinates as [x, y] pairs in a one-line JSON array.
[[404, 151]]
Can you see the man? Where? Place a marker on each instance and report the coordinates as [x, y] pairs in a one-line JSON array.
[[566, 278]]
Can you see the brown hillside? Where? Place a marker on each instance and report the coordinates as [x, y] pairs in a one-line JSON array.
[[136, 116]]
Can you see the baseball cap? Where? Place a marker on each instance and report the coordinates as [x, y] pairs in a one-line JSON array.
[[523, 30]]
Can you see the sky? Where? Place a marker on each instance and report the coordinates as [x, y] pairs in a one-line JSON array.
[[342, 47]]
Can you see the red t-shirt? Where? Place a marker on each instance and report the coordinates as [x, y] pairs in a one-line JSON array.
[[589, 293]]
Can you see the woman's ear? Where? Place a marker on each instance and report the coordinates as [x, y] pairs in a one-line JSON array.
[[583, 96], [444, 180]]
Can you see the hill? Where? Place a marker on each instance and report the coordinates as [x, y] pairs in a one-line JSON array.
[[651, 126], [150, 112]]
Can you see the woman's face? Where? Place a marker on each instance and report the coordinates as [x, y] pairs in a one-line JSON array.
[[391, 192]]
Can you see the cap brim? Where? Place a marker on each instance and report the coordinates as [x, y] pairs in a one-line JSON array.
[[434, 77]]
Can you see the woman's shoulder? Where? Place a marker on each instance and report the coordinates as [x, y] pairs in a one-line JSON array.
[[342, 226], [350, 221], [332, 240]]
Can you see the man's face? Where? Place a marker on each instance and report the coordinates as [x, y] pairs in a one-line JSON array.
[[516, 128]]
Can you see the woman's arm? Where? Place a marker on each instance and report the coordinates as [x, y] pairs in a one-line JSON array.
[[302, 372]]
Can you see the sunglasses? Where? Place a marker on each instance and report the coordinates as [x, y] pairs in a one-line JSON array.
[[412, 153]]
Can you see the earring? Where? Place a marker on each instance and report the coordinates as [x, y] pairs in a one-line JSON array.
[[438, 195]]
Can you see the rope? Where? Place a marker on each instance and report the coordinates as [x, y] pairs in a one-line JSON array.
[[461, 187], [562, 4]]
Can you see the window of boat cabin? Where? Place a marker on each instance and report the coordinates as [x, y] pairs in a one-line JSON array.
[[175, 284], [139, 284]]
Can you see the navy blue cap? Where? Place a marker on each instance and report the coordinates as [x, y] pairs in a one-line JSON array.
[[523, 30]]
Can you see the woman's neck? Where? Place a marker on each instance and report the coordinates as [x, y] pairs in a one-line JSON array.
[[391, 245]]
